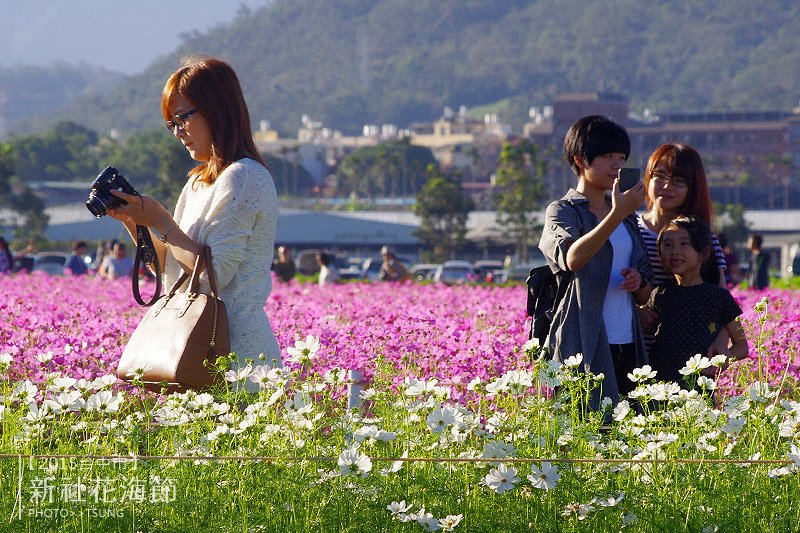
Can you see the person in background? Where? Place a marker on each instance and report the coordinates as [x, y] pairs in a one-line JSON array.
[[229, 203], [100, 254], [759, 263], [591, 232], [284, 266], [76, 263], [116, 264], [691, 311], [6, 259], [733, 275], [392, 269], [328, 274]]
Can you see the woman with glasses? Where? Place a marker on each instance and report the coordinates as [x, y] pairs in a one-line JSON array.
[[676, 187], [229, 202]]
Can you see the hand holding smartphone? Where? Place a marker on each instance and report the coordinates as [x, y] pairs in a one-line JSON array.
[[628, 177]]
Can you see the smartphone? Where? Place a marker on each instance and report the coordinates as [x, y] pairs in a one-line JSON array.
[[628, 177]]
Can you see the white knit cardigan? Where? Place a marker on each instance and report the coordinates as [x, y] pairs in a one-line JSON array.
[[237, 217]]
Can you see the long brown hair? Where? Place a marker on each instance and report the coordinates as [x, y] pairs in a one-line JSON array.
[[683, 160], [213, 88]]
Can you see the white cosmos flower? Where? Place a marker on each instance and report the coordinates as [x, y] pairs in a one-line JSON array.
[[416, 387], [238, 374], [611, 501], [24, 391], [104, 402], [519, 380], [353, 463], [304, 351], [66, 401], [621, 410], [83, 385], [642, 374], [501, 479], [706, 383], [760, 392], [794, 455], [440, 419], [629, 519], [734, 426], [449, 522], [695, 364], [719, 360], [5, 361], [544, 478], [395, 467], [427, 521], [61, 384], [574, 361], [580, 510], [38, 414], [476, 381], [44, 357], [397, 508], [104, 382]]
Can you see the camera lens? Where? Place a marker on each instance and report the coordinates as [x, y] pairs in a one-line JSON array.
[[96, 206]]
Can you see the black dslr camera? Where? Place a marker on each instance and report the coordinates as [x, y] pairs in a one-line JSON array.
[[100, 198]]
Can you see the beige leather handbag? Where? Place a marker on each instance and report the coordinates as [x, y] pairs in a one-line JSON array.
[[180, 335]]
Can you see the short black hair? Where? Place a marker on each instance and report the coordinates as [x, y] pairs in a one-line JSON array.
[[698, 230], [700, 236], [592, 136]]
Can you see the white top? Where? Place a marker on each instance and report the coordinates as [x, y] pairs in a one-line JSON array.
[[237, 217], [617, 308], [328, 275]]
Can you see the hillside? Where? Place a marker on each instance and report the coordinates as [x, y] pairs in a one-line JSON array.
[[352, 62]]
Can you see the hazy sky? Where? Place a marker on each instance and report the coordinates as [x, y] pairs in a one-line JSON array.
[[121, 35]]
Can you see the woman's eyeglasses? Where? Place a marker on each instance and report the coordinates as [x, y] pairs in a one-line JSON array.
[[676, 181], [179, 121]]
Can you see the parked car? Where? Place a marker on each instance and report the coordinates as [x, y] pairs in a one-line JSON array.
[[485, 267], [50, 263], [370, 268], [520, 271], [306, 261], [348, 267], [454, 272], [423, 271]]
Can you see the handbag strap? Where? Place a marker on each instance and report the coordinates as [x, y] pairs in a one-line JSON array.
[[201, 262]]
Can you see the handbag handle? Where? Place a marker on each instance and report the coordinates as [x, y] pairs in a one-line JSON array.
[[201, 262]]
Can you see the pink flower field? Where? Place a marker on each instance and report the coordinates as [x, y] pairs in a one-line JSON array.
[[452, 333]]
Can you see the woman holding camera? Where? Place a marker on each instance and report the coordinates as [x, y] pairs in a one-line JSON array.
[[229, 202]]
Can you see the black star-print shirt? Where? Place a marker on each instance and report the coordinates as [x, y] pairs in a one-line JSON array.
[[691, 317]]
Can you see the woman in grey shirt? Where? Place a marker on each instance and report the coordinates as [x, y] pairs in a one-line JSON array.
[[596, 238]]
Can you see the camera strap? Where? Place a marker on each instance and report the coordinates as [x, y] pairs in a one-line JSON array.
[[145, 253]]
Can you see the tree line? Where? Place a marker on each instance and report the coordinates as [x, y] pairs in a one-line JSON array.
[[156, 165]]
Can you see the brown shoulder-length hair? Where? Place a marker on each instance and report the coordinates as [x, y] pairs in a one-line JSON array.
[[213, 88], [683, 160]]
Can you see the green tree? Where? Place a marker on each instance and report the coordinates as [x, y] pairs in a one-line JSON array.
[[729, 220], [389, 169], [518, 192], [291, 178], [65, 153], [17, 196], [443, 209], [153, 162]]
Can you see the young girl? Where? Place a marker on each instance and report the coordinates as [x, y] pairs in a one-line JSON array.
[[591, 232], [692, 312]]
